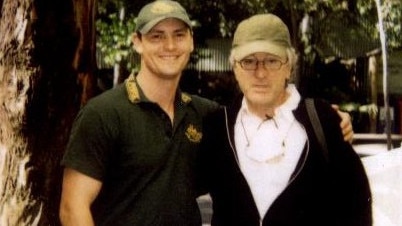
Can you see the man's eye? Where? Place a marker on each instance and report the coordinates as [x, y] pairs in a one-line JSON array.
[[271, 61], [156, 37], [248, 61], [180, 34]]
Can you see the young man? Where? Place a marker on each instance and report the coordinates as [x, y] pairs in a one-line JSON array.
[[262, 163], [131, 156], [132, 152]]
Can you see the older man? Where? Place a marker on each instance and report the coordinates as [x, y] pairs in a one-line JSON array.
[[263, 164]]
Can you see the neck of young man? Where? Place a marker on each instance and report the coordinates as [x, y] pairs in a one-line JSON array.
[[160, 91]]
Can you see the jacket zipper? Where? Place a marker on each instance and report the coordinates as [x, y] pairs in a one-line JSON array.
[[296, 174], [302, 165], [237, 159], [230, 141]]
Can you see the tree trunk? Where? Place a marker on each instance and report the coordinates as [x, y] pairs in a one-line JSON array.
[[46, 74]]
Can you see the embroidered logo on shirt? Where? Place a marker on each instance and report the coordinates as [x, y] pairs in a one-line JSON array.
[[132, 90], [193, 135]]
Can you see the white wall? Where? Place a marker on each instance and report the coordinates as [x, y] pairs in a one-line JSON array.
[[384, 171]]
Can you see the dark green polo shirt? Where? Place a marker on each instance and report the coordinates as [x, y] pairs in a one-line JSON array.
[[146, 164]]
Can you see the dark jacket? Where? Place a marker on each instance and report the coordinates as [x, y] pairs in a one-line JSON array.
[[321, 191]]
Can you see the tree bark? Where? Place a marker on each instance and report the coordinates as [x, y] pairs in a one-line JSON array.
[[47, 64]]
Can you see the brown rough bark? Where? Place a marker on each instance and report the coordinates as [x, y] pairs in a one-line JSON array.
[[47, 68], [17, 207]]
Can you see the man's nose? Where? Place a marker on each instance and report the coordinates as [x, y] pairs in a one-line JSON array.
[[261, 71], [170, 42]]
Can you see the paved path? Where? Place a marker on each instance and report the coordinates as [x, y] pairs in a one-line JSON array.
[[205, 204]]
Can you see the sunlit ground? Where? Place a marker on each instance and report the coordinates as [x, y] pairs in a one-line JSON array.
[[384, 170]]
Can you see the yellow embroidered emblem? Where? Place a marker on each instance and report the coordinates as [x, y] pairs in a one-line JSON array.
[[192, 134], [185, 98], [132, 90]]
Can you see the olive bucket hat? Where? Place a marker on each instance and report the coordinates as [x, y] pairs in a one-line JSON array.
[[260, 33]]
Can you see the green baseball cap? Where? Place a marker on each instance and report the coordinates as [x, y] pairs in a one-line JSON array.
[[156, 11], [260, 33]]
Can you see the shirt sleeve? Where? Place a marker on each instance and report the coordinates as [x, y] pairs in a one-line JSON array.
[[89, 144]]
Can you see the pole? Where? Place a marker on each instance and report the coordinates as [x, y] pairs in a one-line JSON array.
[[385, 75]]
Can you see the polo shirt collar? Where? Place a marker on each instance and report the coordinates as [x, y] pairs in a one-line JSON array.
[[135, 94]]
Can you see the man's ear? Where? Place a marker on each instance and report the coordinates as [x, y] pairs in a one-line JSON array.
[[192, 44], [137, 42]]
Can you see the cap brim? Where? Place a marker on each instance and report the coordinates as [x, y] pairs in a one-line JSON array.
[[244, 50], [147, 27]]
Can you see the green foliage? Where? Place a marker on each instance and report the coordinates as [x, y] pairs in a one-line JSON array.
[[220, 18], [392, 19], [392, 16], [114, 38]]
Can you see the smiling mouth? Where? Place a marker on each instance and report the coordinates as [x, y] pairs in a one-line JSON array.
[[169, 57]]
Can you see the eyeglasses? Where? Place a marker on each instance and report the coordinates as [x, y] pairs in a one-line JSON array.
[[272, 64]]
